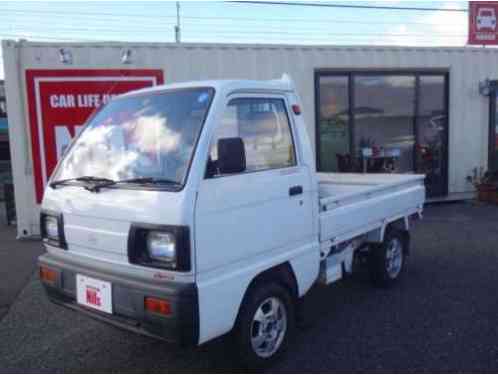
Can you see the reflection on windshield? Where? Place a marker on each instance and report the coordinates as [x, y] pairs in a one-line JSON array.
[[143, 136]]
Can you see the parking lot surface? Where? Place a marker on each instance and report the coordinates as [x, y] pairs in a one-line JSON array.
[[17, 263], [441, 317]]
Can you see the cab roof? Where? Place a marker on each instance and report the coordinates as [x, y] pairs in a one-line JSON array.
[[284, 84]]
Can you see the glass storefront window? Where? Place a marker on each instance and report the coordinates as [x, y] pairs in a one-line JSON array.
[[431, 131], [334, 122], [399, 124], [384, 116], [6, 187], [3, 103], [5, 173], [493, 134]]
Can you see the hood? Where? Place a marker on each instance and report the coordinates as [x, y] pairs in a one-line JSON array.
[[97, 224]]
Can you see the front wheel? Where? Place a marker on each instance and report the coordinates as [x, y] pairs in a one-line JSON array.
[[388, 259], [265, 324]]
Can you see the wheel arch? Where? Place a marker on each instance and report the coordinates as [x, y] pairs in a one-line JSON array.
[[377, 235], [282, 274]]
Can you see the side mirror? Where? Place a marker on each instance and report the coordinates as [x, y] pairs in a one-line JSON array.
[[231, 155]]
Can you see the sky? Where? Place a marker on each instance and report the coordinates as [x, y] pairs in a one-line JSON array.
[[233, 22]]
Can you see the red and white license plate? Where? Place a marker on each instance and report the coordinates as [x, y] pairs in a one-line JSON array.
[[94, 293]]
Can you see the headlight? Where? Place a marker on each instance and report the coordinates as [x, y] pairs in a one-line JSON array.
[[52, 228], [161, 246]]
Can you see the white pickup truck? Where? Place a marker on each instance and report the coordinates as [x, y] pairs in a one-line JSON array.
[[191, 210]]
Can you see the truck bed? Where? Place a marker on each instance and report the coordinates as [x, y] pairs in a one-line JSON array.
[[352, 204]]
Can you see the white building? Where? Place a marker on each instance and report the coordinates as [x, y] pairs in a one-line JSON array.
[[422, 106]]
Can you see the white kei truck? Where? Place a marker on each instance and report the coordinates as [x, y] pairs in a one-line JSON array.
[[188, 211]]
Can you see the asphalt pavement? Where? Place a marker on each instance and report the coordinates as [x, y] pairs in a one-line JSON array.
[[441, 317], [17, 262]]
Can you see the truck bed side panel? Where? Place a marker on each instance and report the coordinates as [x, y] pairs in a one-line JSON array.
[[341, 220]]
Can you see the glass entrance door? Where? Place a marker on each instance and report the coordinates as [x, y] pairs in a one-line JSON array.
[[493, 132], [431, 133]]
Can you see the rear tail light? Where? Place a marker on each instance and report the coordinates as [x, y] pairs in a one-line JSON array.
[[157, 306], [48, 275]]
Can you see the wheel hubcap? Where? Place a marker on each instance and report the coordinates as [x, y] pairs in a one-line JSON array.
[[268, 328], [394, 258]]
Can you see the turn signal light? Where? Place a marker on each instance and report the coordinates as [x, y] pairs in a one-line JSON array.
[[157, 306], [48, 275]]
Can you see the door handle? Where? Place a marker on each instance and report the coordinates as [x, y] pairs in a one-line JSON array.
[[296, 190]]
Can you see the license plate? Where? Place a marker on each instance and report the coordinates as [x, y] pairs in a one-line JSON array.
[[94, 293]]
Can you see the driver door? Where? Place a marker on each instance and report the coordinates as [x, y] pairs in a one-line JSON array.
[[249, 221]]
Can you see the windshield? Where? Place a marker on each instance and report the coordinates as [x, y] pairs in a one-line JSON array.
[[151, 136]]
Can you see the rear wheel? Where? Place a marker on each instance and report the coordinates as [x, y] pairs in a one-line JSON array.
[[388, 259], [265, 324]]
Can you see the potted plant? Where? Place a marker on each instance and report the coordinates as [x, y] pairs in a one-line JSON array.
[[487, 190]]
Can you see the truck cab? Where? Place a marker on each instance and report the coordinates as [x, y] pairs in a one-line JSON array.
[[191, 210]]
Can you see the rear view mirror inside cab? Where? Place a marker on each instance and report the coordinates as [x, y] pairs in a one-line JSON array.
[[231, 155]]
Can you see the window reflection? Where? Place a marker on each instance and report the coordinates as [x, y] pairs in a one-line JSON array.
[[264, 127], [142, 136], [399, 124], [431, 132], [384, 117], [333, 124]]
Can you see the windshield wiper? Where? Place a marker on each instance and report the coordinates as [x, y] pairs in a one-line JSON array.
[[139, 180], [54, 184], [101, 182]]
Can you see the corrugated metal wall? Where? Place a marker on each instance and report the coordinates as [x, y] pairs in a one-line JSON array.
[[468, 124]]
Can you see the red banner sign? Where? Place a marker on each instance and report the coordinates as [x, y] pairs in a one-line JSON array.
[[60, 101], [482, 22]]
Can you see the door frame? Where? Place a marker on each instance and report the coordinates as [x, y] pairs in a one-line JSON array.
[[416, 73]]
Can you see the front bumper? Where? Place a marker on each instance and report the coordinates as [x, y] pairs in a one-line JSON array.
[[128, 294]]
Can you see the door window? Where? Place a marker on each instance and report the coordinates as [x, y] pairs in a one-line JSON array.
[[263, 125]]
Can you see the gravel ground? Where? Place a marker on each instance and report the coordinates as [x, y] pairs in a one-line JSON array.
[[441, 317]]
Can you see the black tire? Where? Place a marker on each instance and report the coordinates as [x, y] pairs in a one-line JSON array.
[[382, 273], [245, 330]]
